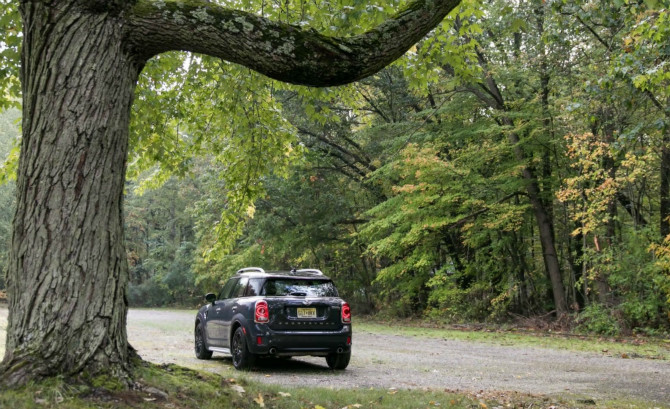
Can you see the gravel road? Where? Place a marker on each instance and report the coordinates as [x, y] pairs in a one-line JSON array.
[[393, 361]]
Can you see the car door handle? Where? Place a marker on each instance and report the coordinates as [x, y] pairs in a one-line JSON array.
[[234, 309], [218, 309]]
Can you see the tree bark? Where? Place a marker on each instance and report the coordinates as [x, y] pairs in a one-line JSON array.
[[81, 59], [68, 270]]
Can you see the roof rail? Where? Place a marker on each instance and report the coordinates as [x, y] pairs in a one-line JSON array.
[[250, 269], [310, 270]]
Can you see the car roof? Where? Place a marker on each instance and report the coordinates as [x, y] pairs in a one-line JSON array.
[[302, 273]]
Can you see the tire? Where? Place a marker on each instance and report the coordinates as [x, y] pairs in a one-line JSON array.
[[242, 358], [201, 351], [338, 361]]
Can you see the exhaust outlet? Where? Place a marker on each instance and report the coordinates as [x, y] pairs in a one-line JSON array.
[[340, 350], [273, 351]]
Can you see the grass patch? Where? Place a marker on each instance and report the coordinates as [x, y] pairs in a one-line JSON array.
[[171, 386], [637, 347]]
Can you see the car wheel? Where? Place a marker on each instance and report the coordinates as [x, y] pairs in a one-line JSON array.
[[201, 351], [242, 358], [338, 361]]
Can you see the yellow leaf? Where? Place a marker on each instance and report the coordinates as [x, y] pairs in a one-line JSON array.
[[251, 210], [319, 407], [260, 401], [284, 394]]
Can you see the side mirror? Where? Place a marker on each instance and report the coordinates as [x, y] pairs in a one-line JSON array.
[[210, 297]]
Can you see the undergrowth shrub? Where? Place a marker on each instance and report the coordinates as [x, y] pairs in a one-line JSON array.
[[148, 294], [449, 303], [597, 319]]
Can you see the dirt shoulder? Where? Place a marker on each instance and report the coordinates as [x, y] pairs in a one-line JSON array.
[[394, 361]]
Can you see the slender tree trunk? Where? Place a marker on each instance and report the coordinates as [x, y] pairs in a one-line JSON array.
[[520, 268], [68, 274], [544, 211], [576, 247], [544, 225], [547, 241], [665, 184]]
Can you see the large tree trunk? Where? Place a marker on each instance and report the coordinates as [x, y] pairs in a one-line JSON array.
[[68, 275]]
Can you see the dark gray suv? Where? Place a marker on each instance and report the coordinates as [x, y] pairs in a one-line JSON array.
[[279, 313]]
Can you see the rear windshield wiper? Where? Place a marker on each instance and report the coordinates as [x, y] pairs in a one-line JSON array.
[[298, 294]]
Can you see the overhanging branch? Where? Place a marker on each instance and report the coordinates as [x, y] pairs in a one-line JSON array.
[[280, 51]]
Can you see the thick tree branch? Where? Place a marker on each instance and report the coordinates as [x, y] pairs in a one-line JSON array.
[[280, 51]]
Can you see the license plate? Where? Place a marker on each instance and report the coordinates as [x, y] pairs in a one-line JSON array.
[[306, 312]]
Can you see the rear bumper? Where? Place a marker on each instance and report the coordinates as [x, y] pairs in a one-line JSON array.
[[295, 343]]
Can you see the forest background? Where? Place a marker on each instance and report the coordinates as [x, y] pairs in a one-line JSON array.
[[514, 163]]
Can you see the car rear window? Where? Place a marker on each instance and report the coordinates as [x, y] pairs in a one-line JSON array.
[[298, 287]]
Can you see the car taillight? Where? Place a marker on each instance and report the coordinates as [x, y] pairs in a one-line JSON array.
[[346, 313], [262, 314]]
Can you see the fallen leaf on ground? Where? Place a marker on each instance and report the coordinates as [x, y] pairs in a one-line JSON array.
[[238, 389], [260, 400], [284, 394]]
